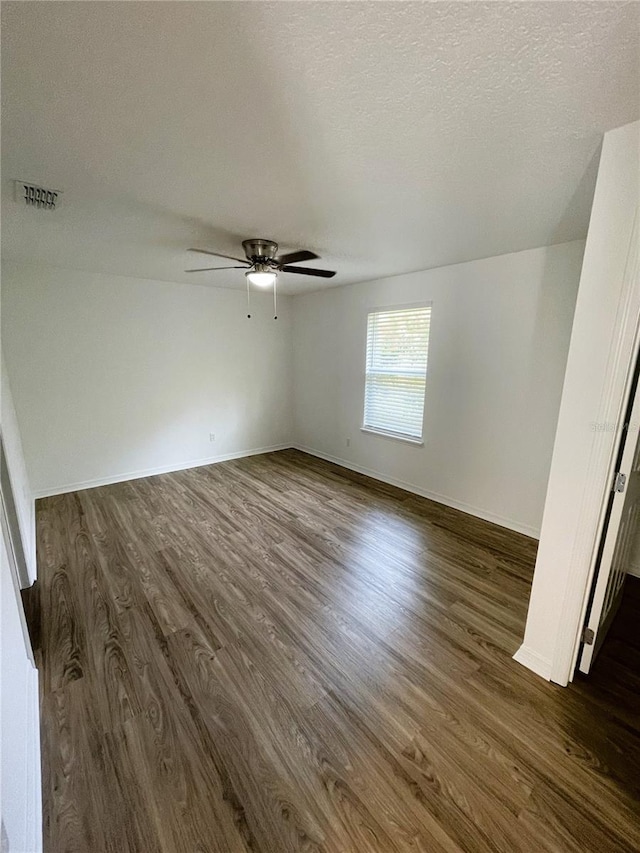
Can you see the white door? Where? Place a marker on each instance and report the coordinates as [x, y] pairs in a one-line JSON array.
[[619, 534]]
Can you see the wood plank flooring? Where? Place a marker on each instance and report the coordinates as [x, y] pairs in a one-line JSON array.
[[275, 654]]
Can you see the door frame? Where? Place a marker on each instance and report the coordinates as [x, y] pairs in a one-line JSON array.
[[623, 354], [12, 536], [15, 577], [12, 521], [614, 494]]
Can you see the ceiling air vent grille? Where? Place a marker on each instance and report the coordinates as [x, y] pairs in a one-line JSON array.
[[39, 197]]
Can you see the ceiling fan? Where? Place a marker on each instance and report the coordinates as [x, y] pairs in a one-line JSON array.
[[262, 265]]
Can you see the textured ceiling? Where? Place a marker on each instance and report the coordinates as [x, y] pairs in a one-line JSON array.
[[387, 137]]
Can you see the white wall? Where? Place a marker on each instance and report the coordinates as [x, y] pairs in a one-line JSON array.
[[598, 369], [114, 377], [20, 791], [22, 492], [499, 339]]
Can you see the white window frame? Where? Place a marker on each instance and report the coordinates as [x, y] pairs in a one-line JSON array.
[[372, 430]]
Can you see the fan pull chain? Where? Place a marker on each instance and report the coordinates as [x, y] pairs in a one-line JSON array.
[[275, 303], [248, 300]]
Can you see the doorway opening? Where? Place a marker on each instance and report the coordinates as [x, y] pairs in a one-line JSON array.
[[618, 540]]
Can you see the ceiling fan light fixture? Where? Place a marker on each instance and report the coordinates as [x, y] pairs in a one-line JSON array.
[[261, 278]]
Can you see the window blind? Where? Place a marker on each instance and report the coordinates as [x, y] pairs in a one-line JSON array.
[[396, 371]]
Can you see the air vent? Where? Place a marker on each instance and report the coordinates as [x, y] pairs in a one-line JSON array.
[[39, 197]]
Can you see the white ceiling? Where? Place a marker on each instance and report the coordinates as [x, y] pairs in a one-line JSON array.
[[387, 137]]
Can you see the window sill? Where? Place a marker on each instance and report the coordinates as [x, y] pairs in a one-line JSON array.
[[405, 439]]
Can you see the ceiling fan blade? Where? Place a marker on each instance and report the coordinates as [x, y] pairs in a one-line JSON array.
[[309, 271], [293, 257], [218, 255], [210, 269]]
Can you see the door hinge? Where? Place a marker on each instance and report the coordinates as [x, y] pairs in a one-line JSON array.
[[588, 636], [619, 482]]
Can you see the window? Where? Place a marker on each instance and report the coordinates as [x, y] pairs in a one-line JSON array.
[[396, 371]]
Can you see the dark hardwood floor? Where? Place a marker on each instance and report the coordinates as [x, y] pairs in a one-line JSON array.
[[275, 654]]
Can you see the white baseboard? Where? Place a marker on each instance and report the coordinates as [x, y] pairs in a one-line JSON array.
[[533, 661], [344, 463], [509, 523], [634, 571], [150, 472]]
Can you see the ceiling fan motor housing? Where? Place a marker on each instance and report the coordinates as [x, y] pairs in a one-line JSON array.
[[260, 250]]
